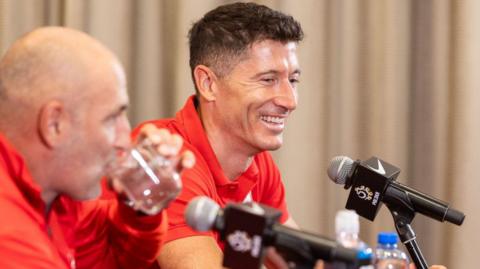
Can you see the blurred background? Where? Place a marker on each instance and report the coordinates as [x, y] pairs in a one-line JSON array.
[[396, 79]]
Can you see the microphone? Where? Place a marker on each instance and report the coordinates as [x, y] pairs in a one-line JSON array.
[[374, 181], [240, 226]]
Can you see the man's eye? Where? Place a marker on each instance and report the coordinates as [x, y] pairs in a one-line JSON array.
[[268, 80], [112, 118], [294, 80]]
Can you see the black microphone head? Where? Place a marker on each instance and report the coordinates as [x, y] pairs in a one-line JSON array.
[[339, 168], [201, 213]]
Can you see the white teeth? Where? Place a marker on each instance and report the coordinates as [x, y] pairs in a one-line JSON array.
[[271, 119]]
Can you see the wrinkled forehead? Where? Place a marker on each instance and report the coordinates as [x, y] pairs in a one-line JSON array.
[[121, 81], [269, 49], [271, 54], [108, 83], [107, 95]]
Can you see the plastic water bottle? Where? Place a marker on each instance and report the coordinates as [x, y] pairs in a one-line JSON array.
[[347, 228], [387, 254]]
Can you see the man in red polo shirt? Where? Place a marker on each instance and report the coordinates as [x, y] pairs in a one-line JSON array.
[[63, 100], [245, 69]]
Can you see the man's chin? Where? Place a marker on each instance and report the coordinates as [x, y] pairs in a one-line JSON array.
[[272, 145], [91, 194], [272, 148]]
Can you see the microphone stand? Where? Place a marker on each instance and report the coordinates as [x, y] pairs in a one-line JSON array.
[[402, 216]]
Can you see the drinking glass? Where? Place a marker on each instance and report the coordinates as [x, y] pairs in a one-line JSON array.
[[147, 179]]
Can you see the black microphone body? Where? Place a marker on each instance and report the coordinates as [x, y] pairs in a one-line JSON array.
[[397, 193], [295, 245], [373, 182], [248, 228]]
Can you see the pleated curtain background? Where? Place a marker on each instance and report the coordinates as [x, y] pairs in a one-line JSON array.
[[396, 79]]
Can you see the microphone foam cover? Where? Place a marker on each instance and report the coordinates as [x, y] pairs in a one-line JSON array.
[[339, 168], [201, 213]]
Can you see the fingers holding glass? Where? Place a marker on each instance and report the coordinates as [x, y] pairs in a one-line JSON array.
[[149, 174]]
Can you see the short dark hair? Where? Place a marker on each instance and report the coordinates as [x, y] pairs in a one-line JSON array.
[[224, 33]]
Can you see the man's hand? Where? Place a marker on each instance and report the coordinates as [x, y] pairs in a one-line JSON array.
[[168, 145], [273, 260], [160, 151]]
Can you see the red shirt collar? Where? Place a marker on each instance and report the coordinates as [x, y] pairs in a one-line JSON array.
[[15, 166], [195, 135]]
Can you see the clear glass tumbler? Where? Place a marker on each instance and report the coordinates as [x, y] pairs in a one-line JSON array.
[[148, 180]]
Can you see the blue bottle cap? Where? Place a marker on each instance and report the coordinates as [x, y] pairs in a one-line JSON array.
[[365, 254], [387, 238]]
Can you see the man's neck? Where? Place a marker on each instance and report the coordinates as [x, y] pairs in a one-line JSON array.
[[48, 198], [41, 176], [234, 160], [32, 156]]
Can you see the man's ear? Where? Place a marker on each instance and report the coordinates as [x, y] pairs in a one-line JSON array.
[[52, 123], [206, 82]]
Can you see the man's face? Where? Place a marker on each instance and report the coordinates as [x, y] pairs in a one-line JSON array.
[[254, 100], [101, 131]]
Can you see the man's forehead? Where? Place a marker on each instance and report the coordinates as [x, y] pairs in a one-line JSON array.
[[271, 52], [108, 85], [119, 74], [272, 44]]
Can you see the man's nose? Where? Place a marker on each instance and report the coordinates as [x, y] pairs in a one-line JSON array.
[[287, 96], [122, 141]]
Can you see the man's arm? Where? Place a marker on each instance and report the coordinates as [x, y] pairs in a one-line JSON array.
[[202, 251], [191, 252], [123, 237], [291, 223], [109, 234]]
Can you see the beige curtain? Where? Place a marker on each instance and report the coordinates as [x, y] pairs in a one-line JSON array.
[[395, 79]]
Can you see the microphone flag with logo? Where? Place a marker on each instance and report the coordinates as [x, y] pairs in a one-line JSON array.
[[373, 182], [248, 228], [372, 177]]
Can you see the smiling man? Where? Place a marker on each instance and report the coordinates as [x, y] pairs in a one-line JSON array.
[[245, 69]]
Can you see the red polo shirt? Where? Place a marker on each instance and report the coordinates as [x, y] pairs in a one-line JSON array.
[[101, 233], [262, 179]]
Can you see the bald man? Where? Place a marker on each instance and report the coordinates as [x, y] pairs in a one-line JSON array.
[[63, 100]]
